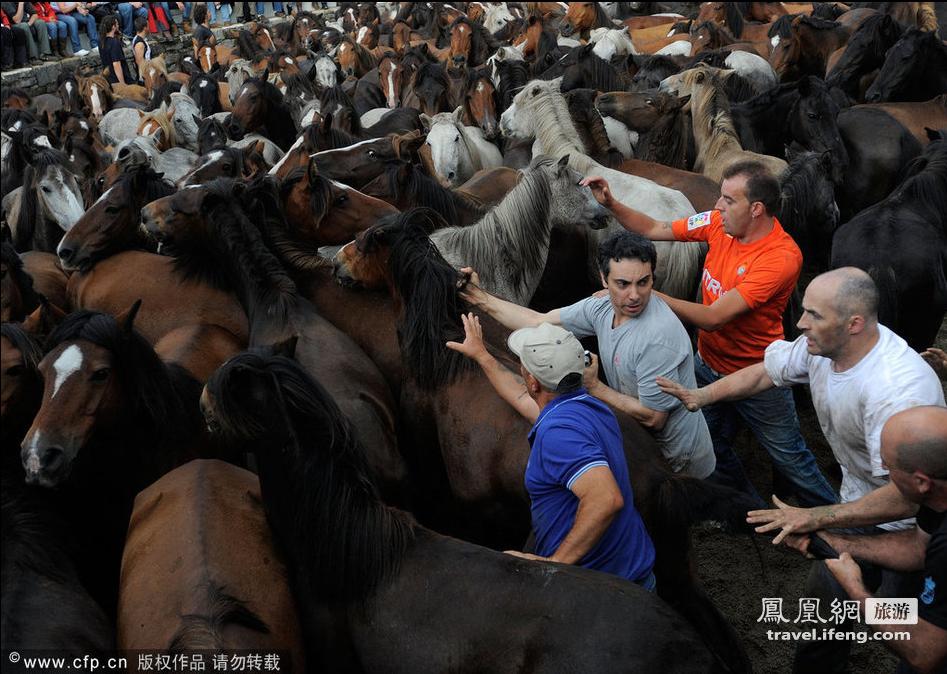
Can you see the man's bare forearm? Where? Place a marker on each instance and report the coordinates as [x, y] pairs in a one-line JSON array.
[[898, 550], [885, 504], [592, 519], [509, 387], [741, 384]]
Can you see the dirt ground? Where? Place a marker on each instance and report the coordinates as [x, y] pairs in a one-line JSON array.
[[731, 570]]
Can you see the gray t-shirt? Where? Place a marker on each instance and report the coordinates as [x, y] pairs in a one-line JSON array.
[[649, 345]]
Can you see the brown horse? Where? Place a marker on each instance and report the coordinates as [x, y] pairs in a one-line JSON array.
[[470, 43], [582, 17], [21, 391], [113, 419], [200, 534], [659, 118], [154, 73], [328, 212], [49, 279], [808, 48], [211, 229], [916, 117], [479, 100], [729, 14], [18, 297], [97, 95]]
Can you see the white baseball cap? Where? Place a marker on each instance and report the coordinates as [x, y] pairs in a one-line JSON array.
[[548, 352]]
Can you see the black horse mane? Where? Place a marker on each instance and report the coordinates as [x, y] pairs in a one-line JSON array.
[[21, 279], [434, 71], [782, 27], [427, 285], [817, 23], [797, 192], [319, 497], [597, 73], [926, 179], [246, 45], [720, 34], [203, 631], [162, 411], [420, 189], [513, 76], [162, 94], [830, 11], [334, 97], [733, 18], [581, 103], [324, 136]]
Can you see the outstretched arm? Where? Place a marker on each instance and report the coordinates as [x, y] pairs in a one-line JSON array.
[[741, 384], [629, 218], [507, 385], [884, 504], [508, 314]]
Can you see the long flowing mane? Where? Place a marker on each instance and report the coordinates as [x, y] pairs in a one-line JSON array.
[[866, 48], [515, 229], [554, 127], [320, 501], [733, 19], [926, 181], [581, 104], [513, 76], [797, 196], [710, 112]]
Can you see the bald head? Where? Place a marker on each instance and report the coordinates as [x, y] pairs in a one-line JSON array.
[[916, 440], [851, 292]]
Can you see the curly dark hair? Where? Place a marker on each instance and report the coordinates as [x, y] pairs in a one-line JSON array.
[[625, 245]]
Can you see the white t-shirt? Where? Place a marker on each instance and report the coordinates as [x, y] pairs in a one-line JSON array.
[[854, 405]]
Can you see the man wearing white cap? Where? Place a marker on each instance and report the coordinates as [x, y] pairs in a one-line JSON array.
[[581, 500]]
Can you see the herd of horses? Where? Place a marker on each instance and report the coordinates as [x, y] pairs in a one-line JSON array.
[[229, 420]]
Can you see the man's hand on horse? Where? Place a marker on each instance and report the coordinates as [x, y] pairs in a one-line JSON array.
[[693, 399], [472, 346], [789, 519], [600, 190], [470, 290], [937, 359]]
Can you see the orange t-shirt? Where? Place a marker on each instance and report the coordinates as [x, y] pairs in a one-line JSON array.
[[763, 272]]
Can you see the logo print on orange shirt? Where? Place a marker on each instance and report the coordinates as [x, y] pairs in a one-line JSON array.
[[711, 285]]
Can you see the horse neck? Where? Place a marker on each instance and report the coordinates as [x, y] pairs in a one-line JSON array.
[[518, 226], [667, 140], [708, 127], [473, 152]]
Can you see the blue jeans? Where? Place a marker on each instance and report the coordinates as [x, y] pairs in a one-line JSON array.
[[771, 416], [277, 6], [127, 14], [56, 29], [73, 21], [224, 12]]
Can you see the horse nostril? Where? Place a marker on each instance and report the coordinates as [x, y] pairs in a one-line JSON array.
[[65, 254], [51, 458], [450, 174], [123, 153]]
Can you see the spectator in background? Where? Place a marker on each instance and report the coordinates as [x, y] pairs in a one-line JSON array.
[[113, 52], [140, 47], [13, 43], [23, 18], [55, 28], [128, 11], [202, 34], [75, 14], [223, 7]]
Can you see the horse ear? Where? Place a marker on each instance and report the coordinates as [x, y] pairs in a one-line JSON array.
[[286, 347], [141, 113], [425, 121], [562, 163], [312, 172], [458, 113], [197, 119], [933, 134], [44, 318], [171, 112], [127, 319]]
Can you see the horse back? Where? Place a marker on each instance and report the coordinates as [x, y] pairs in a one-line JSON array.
[[200, 534]]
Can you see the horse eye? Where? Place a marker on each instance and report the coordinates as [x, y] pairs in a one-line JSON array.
[[341, 199], [812, 115], [228, 167], [46, 189], [101, 374], [111, 209], [372, 154], [15, 371]]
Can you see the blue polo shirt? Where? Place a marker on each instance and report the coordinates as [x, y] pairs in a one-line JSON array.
[[574, 433]]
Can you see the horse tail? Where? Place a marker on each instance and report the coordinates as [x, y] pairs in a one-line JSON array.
[[679, 502], [886, 280]]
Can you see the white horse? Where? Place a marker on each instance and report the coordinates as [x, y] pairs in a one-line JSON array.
[[119, 124], [610, 42], [271, 151], [540, 111], [510, 244], [679, 48], [238, 73], [458, 151], [496, 16], [185, 120]]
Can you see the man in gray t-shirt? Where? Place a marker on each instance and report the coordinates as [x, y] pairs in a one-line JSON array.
[[651, 344], [640, 339]]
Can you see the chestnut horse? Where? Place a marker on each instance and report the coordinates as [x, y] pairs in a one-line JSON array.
[[200, 534]]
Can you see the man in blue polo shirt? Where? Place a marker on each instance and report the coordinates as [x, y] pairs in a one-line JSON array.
[[582, 505]]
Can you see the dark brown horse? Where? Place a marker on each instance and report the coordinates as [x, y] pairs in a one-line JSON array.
[[211, 232], [17, 295], [260, 108], [384, 579], [200, 534]]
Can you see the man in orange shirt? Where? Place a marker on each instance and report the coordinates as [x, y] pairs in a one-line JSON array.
[[751, 268]]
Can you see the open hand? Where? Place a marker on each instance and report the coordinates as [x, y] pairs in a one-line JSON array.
[[693, 399], [790, 519], [472, 346], [937, 359]]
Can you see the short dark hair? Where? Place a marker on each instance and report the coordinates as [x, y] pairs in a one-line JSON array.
[[200, 13], [140, 22], [761, 185], [625, 245], [857, 294]]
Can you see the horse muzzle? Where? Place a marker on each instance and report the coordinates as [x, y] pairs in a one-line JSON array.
[[566, 29], [341, 275], [45, 466]]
